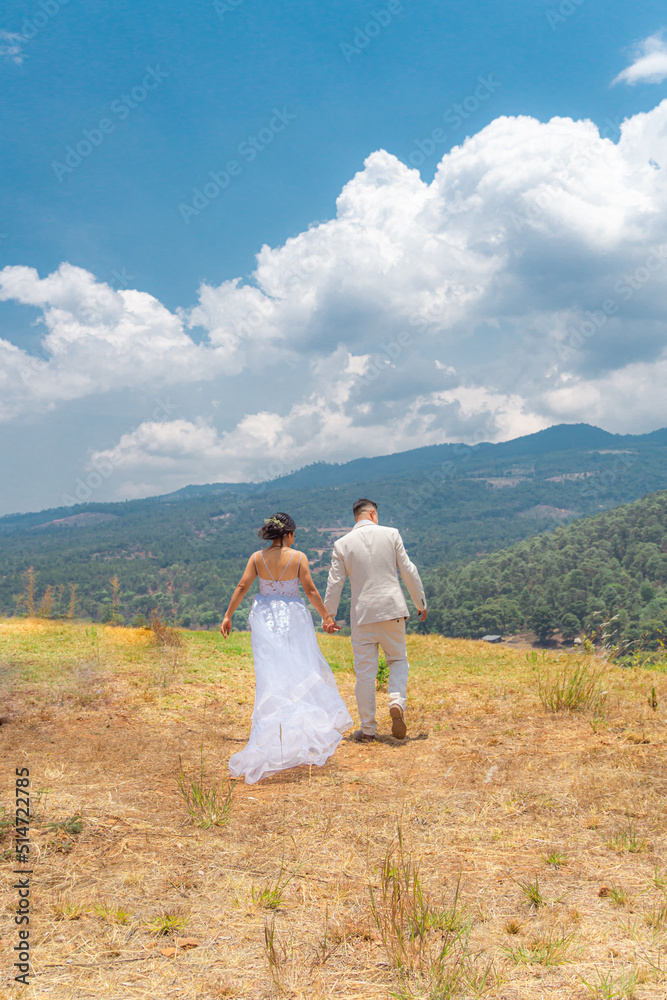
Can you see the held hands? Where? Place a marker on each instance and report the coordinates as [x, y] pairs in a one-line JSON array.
[[422, 614], [329, 625]]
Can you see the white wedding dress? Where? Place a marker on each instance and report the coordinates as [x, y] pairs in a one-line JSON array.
[[299, 716]]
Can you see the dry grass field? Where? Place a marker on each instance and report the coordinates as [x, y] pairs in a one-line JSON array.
[[502, 850]]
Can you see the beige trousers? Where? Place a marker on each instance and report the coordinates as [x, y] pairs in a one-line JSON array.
[[366, 640]]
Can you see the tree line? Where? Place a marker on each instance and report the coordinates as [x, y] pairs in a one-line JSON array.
[[607, 568]]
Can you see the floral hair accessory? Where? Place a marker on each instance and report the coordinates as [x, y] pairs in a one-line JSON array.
[[274, 520]]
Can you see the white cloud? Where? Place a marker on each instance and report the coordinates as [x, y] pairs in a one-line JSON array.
[[97, 339], [525, 285], [636, 388], [649, 64], [11, 47]]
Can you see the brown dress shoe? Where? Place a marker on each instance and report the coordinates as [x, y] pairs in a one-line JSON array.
[[398, 726]]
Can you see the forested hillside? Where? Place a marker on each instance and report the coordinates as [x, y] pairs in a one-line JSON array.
[[182, 554], [573, 578]]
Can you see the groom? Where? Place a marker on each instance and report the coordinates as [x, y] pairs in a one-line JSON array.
[[370, 554]]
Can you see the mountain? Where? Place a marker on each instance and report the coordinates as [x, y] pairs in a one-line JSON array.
[[562, 438], [182, 553]]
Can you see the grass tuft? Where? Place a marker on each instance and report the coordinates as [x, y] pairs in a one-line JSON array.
[[272, 895], [627, 839], [572, 688], [657, 918], [110, 914], [617, 895], [208, 804], [609, 987], [165, 634], [532, 892], [555, 858], [550, 950], [280, 957], [73, 825], [64, 910], [425, 942], [167, 922]]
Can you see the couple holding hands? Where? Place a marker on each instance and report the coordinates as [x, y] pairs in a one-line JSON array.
[[299, 716]]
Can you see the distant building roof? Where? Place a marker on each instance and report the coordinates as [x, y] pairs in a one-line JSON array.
[[492, 638]]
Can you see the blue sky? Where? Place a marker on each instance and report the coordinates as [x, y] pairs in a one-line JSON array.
[[296, 97]]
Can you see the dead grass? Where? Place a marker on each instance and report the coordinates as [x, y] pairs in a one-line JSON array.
[[530, 861], [575, 685]]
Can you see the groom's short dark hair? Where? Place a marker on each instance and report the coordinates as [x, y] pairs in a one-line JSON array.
[[363, 504]]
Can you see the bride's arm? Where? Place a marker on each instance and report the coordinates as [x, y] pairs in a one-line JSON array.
[[241, 589], [313, 594]]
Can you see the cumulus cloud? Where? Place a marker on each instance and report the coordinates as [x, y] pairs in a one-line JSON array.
[[97, 340], [525, 285], [649, 64], [634, 387], [11, 47]]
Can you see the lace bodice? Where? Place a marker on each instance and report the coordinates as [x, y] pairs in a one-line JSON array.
[[279, 587]]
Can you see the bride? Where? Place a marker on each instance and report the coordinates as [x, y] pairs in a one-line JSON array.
[[299, 716]]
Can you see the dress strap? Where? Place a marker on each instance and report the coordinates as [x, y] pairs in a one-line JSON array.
[[289, 562], [267, 568]]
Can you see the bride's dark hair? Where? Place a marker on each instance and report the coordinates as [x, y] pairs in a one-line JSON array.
[[276, 526]]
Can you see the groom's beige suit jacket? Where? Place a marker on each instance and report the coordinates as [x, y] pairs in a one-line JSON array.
[[371, 554]]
